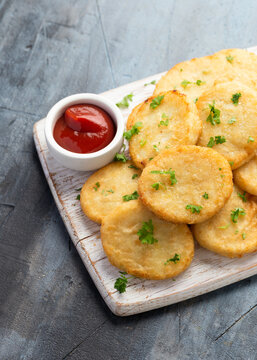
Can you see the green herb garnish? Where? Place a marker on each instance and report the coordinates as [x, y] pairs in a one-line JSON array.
[[218, 140], [235, 98], [133, 167], [150, 83], [200, 82], [250, 139], [134, 176], [110, 191], [121, 283], [214, 116], [235, 214], [242, 196], [195, 100], [133, 196], [124, 103], [243, 236], [170, 172], [223, 227], [146, 233], [78, 197], [133, 131], [231, 163], [156, 101], [174, 259], [142, 143], [232, 120], [184, 83], [230, 59], [156, 186], [156, 148], [120, 157], [194, 208], [97, 185], [205, 196]]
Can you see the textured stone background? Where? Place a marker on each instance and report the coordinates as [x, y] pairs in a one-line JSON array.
[[49, 307]]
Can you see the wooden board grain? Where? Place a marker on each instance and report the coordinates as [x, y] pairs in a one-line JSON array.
[[207, 272]]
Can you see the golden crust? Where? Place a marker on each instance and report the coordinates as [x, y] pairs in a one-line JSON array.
[[117, 177], [198, 171], [183, 126], [237, 148], [208, 69], [125, 251], [220, 235], [246, 176]]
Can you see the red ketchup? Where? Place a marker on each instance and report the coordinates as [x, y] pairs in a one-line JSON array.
[[84, 129]]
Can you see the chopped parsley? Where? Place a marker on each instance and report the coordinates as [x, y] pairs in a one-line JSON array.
[[184, 83], [124, 103], [142, 143], [218, 140], [170, 172], [156, 148], [242, 196], [250, 139], [195, 100], [235, 98], [97, 185], [133, 196], [121, 283], [200, 82], [243, 236], [78, 197], [134, 176], [156, 186], [232, 120], [110, 191], [156, 101], [205, 196], [79, 189], [194, 208], [164, 121], [223, 227], [146, 233], [230, 59], [133, 131], [121, 156], [214, 116], [150, 83], [231, 163], [133, 167], [236, 213], [174, 259]]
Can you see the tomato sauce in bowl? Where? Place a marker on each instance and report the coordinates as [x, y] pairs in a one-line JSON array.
[[84, 129]]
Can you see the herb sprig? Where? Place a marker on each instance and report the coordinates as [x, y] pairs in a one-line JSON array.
[[146, 233]]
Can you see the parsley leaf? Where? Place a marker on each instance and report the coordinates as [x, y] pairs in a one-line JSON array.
[[223, 227], [78, 197], [142, 143], [194, 208], [231, 163], [156, 186], [242, 196], [235, 214], [200, 82], [133, 167], [195, 100], [170, 172], [232, 120], [156, 101], [146, 233], [132, 196], [214, 116], [205, 196], [97, 185], [110, 191], [120, 157], [184, 83], [156, 148], [164, 123], [230, 59], [134, 176], [150, 83], [124, 103], [218, 140], [243, 236], [175, 259], [121, 283], [250, 139], [133, 131], [235, 98]]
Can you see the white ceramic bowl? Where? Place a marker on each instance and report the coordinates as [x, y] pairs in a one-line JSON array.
[[84, 162]]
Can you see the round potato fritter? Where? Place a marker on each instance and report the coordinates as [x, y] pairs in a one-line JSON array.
[[223, 236], [195, 76], [104, 190], [186, 184], [175, 121], [121, 243], [246, 176], [229, 115]]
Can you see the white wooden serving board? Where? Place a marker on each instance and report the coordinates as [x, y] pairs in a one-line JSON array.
[[207, 272]]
